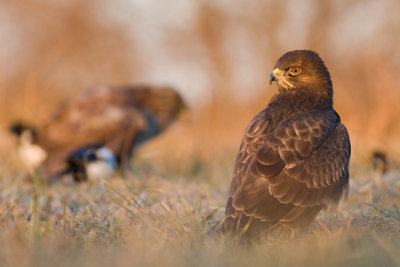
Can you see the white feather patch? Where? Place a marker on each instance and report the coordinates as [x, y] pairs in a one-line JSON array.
[[31, 155], [104, 166]]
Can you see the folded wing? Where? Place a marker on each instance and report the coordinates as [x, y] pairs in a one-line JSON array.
[[293, 171]]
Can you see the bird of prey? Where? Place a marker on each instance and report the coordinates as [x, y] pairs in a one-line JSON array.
[[103, 123], [294, 157]]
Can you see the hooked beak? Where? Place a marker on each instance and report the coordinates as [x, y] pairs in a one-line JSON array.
[[274, 76]]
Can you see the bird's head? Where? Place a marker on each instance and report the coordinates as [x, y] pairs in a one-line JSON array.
[[25, 132], [91, 162], [302, 70]]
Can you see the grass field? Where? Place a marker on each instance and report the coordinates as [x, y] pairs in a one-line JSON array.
[[159, 212]]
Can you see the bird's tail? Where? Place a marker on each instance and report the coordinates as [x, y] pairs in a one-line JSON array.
[[220, 227], [242, 228]]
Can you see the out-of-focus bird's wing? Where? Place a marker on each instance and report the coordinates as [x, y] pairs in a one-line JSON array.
[[289, 174], [113, 126]]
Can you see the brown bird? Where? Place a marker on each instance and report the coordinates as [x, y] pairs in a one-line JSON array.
[[294, 157], [102, 123]]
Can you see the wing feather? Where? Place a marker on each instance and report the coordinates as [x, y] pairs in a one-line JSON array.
[[292, 172], [110, 125]]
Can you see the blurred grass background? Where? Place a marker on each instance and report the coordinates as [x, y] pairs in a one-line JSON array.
[[218, 54]]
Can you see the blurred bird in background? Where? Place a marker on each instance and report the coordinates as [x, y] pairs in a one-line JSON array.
[[97, 131]]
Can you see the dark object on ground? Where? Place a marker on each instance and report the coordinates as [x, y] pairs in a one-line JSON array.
[[379, 162]]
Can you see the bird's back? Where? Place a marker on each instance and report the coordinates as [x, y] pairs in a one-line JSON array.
[[269, 184], [117, 118]]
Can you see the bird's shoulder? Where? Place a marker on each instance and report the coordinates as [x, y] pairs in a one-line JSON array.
[[273, 141], [275, 124]]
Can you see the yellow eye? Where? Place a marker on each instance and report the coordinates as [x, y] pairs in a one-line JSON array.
[[295, 71]]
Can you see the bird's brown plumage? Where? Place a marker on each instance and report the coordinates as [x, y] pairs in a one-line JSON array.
[[119, 118], [294, 157]]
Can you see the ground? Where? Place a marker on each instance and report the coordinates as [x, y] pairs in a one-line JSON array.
[[160, 211]]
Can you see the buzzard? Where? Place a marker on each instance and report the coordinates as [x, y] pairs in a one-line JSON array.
[[103, 123], [294, 157]]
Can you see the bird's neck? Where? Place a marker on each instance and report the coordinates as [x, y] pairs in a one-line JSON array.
[[288, 104], [302, 100]]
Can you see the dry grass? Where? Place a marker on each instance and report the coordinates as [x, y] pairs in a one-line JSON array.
[[160, 213], [146, 220]]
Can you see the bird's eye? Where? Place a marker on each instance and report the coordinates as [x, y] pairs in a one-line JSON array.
[[295, 71]]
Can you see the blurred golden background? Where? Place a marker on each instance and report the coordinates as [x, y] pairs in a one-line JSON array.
[[218, 54]]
